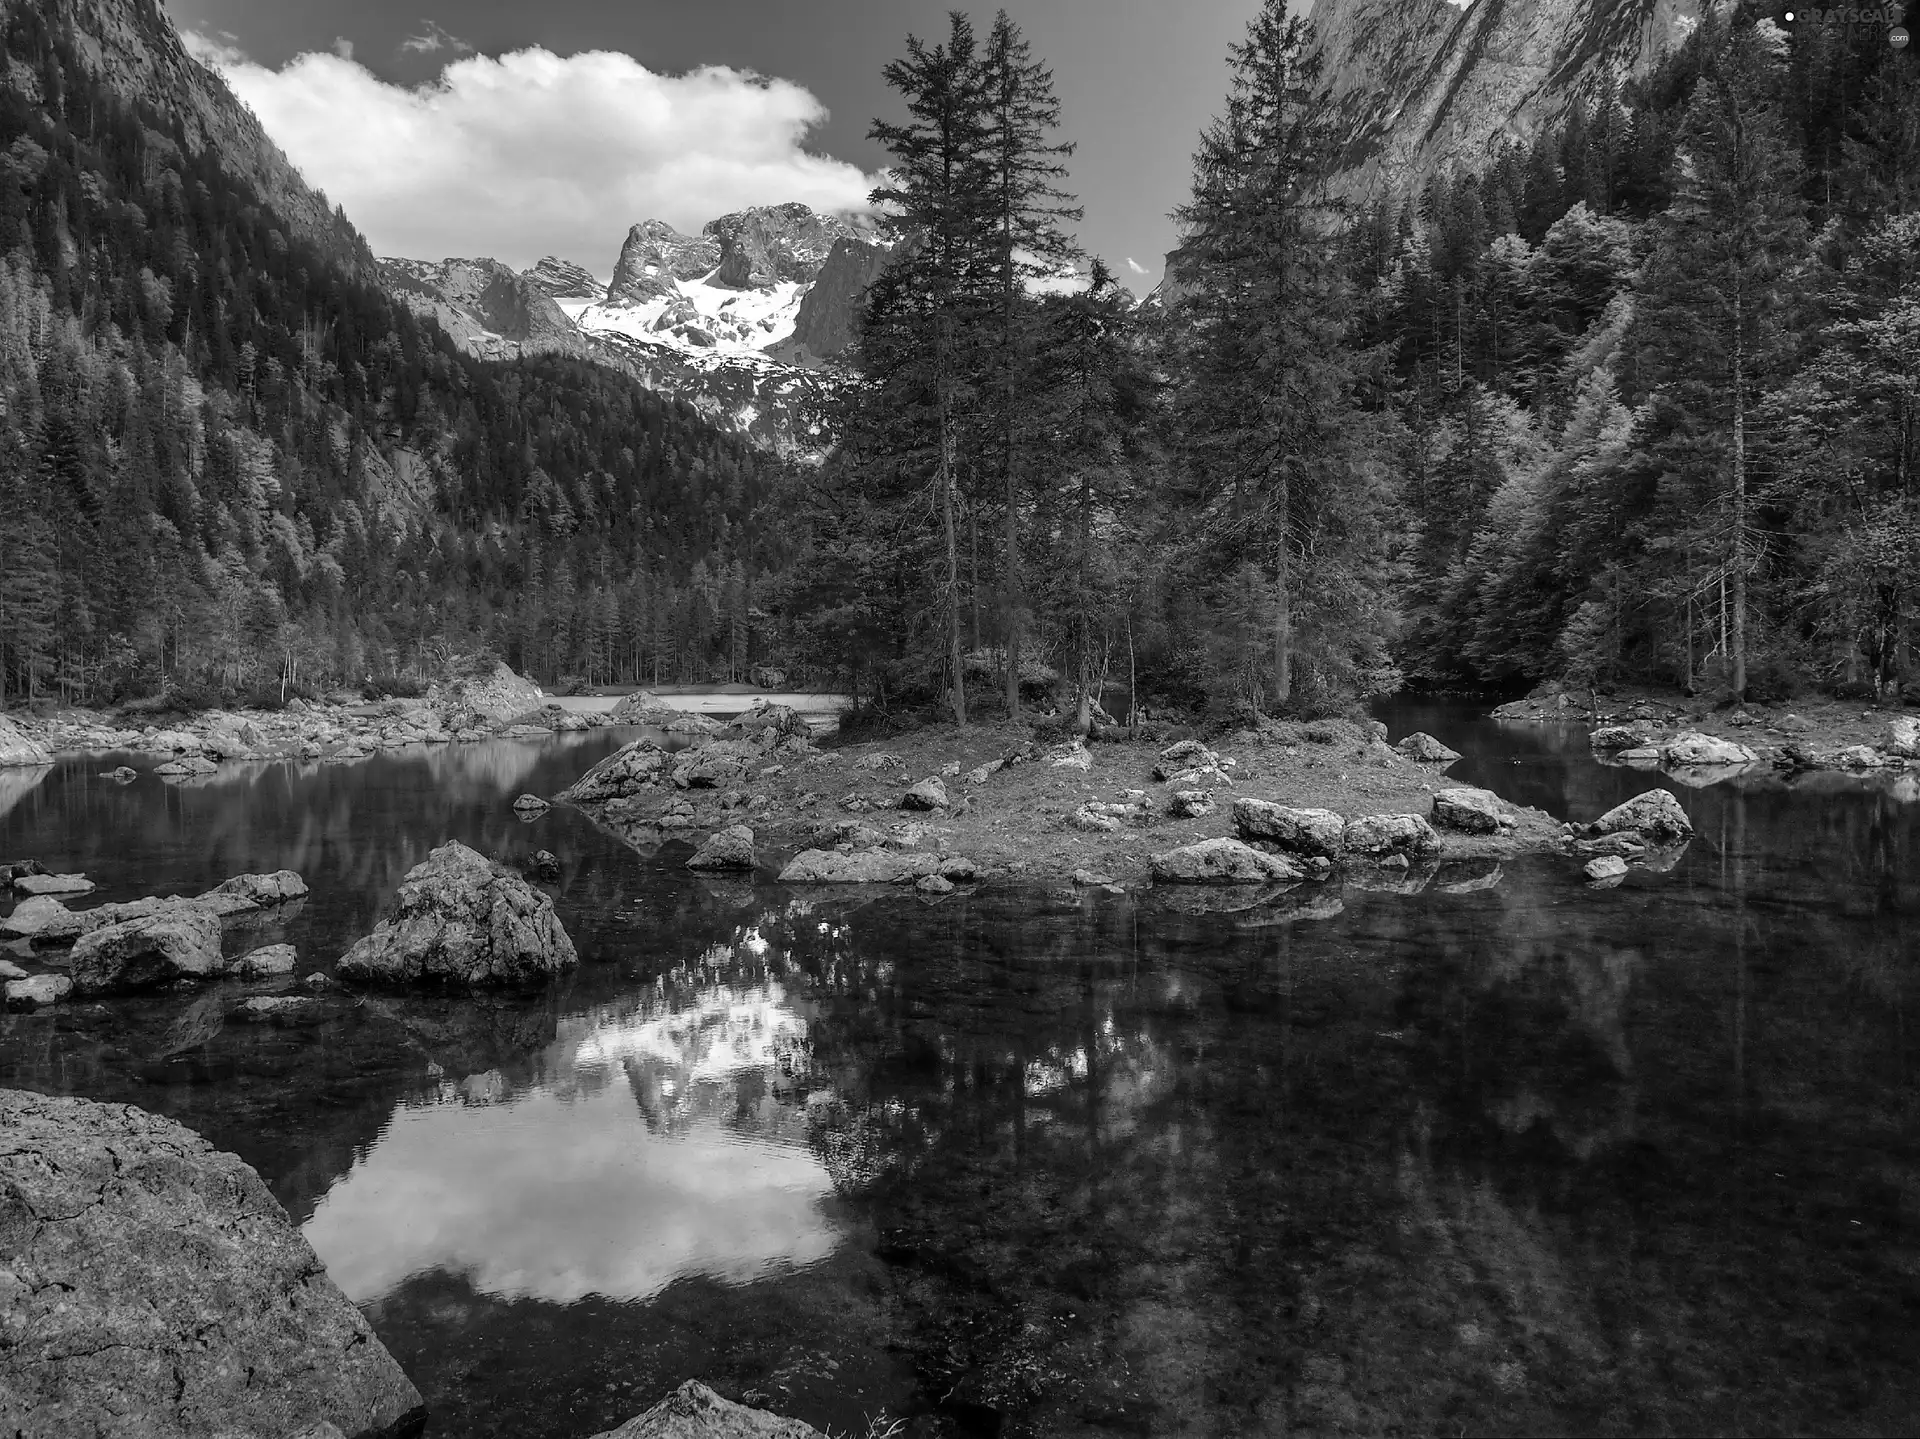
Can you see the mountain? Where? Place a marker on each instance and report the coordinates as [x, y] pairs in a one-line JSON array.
[[131, 48], [731, 320], [488, 309], [1423, 86], [238, 454]]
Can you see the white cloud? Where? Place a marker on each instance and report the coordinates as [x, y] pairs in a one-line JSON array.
[[1135, 266], [433, 40], [530, 154]]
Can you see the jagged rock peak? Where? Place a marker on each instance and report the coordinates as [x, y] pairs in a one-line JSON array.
[[654, 256], [1425, 86], [770, 244], [564, 280], [484, 305], [829, 312], [133, 48]]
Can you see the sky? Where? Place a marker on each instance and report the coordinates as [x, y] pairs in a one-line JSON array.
[[517, 130]]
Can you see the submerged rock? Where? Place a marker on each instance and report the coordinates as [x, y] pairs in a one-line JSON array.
[[731, 848], [1221, 861], [1655, 814], [180, 942], [1297, 831], [694, 1411], [1471, 811], [154, 1287], [1426, 749], [457, 918]]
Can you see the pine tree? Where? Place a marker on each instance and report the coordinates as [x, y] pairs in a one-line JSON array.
[[1269, 422], [1028, 208], [1715, 293], [934, 293]]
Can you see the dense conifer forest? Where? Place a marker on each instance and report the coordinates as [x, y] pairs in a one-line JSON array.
[[229, 467], [1639, 402]]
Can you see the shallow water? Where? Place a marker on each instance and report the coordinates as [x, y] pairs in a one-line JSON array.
[[1505, 1154]]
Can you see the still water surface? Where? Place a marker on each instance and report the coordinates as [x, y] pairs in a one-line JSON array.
[[1502, 1154]]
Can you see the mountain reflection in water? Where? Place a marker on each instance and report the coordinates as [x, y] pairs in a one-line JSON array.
[[652, 1147], [1471, 1147]]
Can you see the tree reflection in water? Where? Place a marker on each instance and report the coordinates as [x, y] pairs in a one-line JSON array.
[[1501, 1154]]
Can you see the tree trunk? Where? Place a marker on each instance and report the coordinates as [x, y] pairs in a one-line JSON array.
[[1739, 547], [1283, 610], [956, 654]]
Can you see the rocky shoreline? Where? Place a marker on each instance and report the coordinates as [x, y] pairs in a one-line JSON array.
[[1697, 742], [1283, 805]]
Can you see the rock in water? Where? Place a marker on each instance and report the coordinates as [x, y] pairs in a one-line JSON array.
[[1655, 814], [36, 992], [1380, 835], [1607, 866], [496, 696], [246, 892], [1471, 811], [267, 962], [731, 848], [1426, 749], [180, 942], [154, 1287], [621, 774], [694, 1411], [1221, 861], [17, 747], [1297, 831], [38, 884], [459, 919], [31, 916], [1691, 747], [873, 866]]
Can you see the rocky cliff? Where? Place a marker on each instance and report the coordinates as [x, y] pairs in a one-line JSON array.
[[1422, 86], [654, 257], [825, 324], [487, 308], [132, 47], [564, 280]]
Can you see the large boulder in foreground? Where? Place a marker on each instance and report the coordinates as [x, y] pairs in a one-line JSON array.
[[151, 1285], [1655, 814], [17, 747], [1471, 811], [1221, 861], [1308, 832], [182, 941], [694, 1411], [457, 918]]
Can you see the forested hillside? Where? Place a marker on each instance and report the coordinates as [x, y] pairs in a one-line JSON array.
[[1659, 379], [228, 461], [1641, 403]]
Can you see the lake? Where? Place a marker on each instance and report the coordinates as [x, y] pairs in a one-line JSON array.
[[1503, 1155]]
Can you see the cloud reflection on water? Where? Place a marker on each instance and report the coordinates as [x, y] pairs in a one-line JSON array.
[[584, 1185]]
